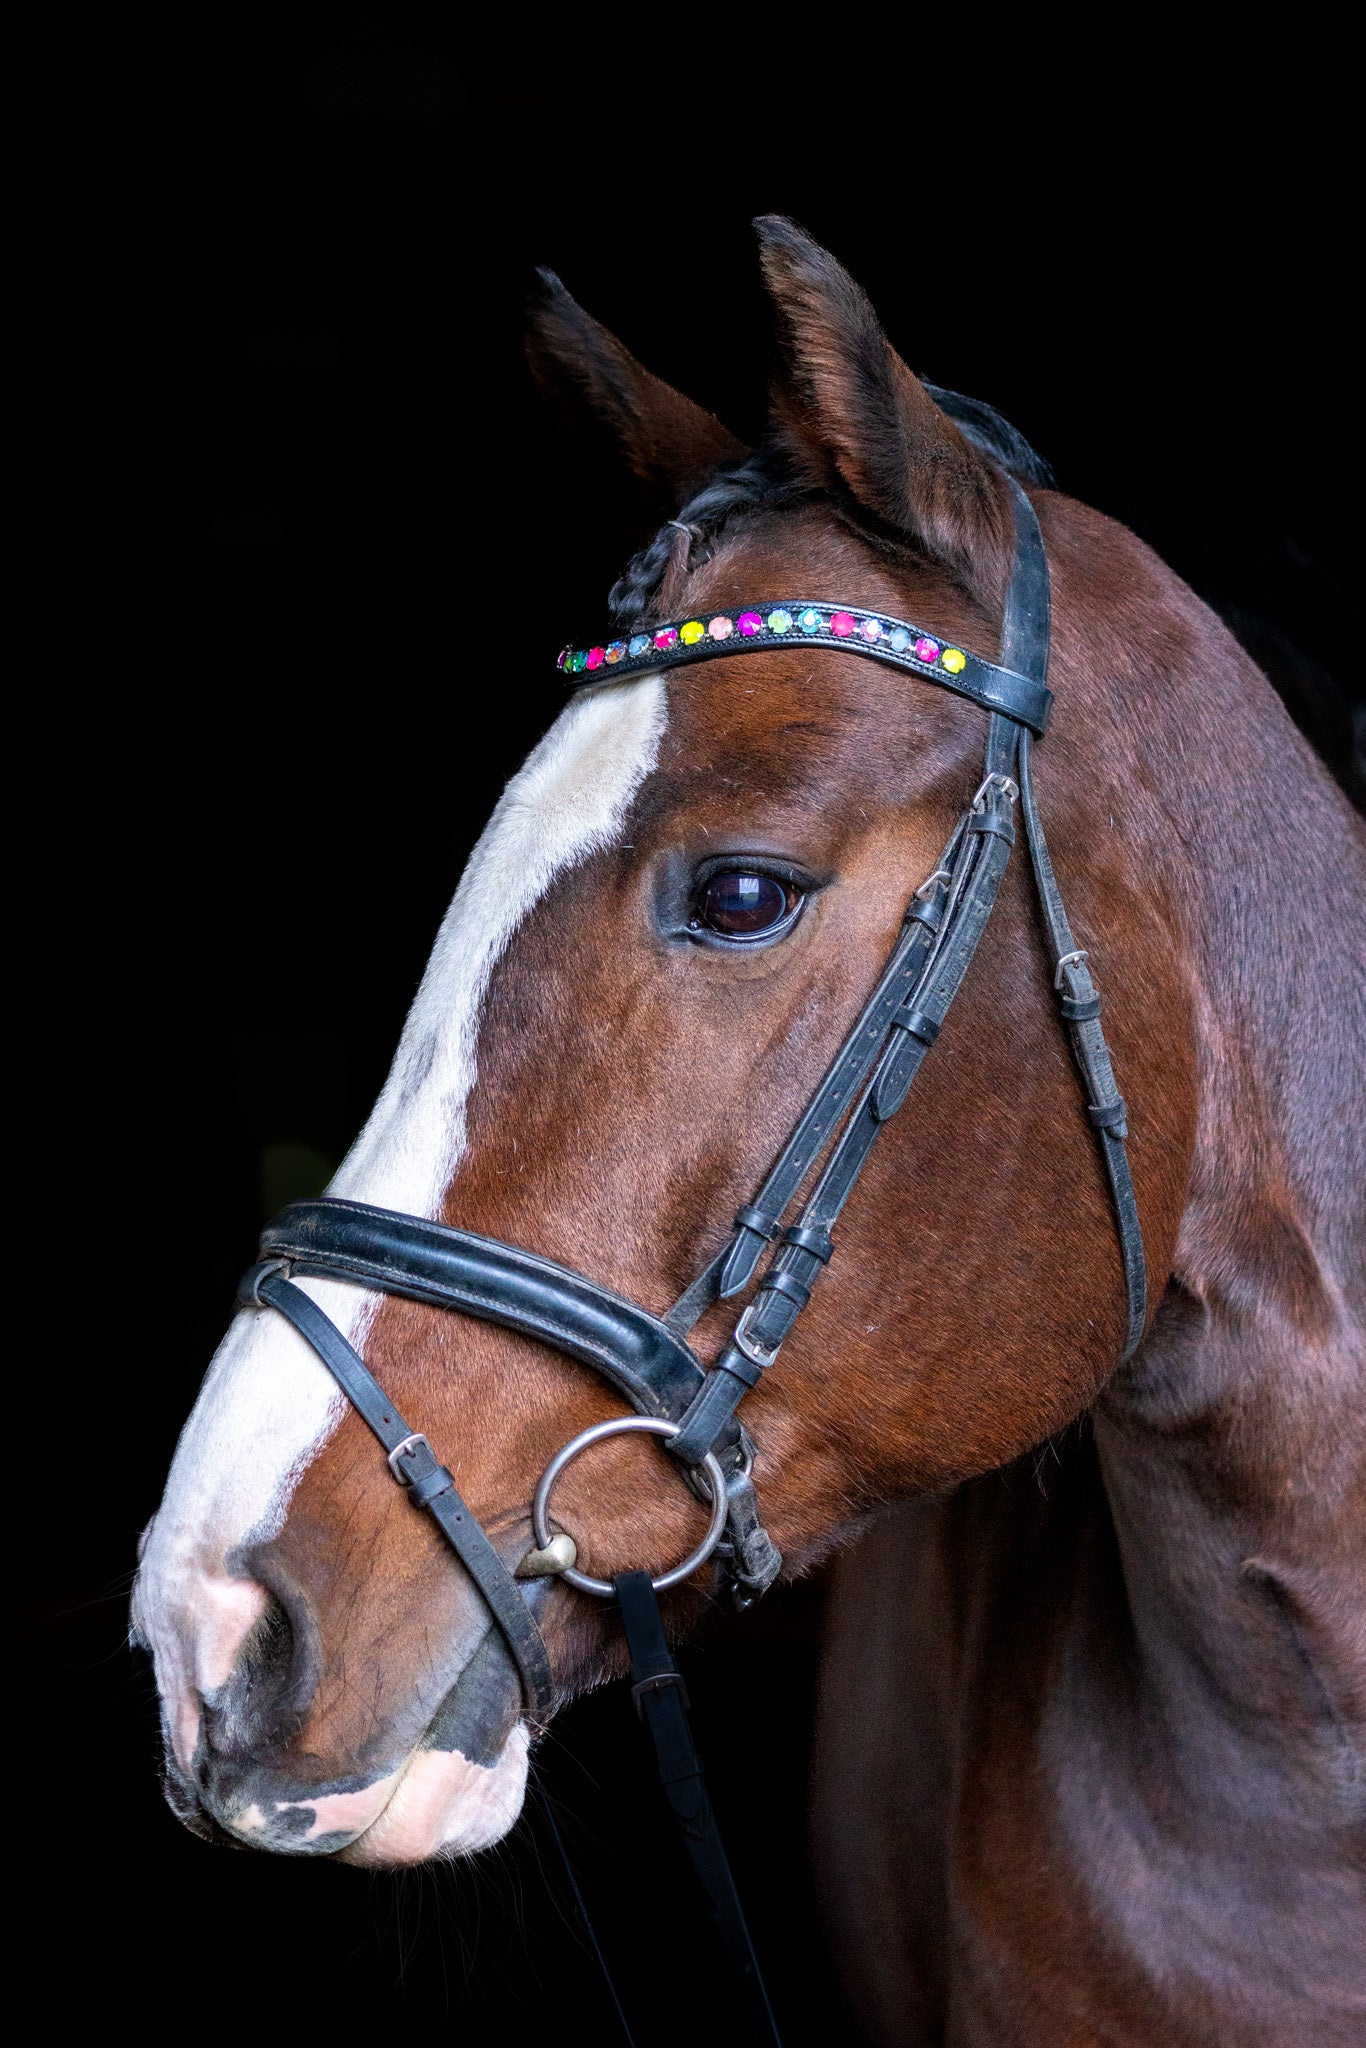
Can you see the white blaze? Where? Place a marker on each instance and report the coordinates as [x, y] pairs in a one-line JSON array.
[[268, 1404]]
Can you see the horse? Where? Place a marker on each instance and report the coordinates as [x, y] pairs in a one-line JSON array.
[[1089, 1747]]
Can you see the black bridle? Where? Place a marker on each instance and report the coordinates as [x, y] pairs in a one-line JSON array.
[[647, 1358]]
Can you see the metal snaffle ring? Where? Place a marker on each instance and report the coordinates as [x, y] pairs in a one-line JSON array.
[[624, 1425]]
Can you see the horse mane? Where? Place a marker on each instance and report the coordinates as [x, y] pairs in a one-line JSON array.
[[768, 479]]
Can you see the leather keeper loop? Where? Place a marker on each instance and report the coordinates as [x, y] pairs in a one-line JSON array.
[[785, 1284], [1108, 1116], [918, 1024], [811, 1237], [422, 1492], [248, 1293], [738, 1366], [925, 913], [988, 821], [750, 1218], [1079, 1010], [712, 1407]]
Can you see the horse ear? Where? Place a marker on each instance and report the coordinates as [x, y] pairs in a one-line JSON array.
[[671, 444], [856, 416]]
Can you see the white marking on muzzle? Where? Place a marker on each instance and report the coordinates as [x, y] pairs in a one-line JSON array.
[[268, 1404]]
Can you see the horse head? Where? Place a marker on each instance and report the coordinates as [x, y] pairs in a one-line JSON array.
[[674, 916]]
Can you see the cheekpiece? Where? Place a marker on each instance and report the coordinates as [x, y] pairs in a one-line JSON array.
[[794, 623]]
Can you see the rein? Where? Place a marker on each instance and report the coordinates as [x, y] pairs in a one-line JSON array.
[[647, 1358]]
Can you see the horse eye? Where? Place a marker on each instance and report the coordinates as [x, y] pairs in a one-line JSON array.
[[739, 905]]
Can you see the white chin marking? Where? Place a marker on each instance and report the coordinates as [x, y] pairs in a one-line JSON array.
[[268, 1403], [334, 1813], [446, 1806]]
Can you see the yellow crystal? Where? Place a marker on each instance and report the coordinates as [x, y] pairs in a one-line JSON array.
[[954, 660], [692, 632]]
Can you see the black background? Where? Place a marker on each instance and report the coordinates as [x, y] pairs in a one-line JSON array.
[[302, 552]]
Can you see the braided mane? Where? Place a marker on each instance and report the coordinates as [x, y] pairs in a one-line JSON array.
[[761, 479], [768, 478]]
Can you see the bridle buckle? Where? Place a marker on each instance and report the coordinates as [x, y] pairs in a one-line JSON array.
[[758, 1354], [1008, 787], [657, 1682], [410, 1443]]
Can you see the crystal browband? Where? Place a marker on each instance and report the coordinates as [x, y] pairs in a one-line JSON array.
[[791, 623]]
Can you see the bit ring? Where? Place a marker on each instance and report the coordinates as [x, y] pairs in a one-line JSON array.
[[624, 1425]]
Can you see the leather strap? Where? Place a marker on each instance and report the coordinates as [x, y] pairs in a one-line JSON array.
[[997, 688], [844, 1077], [1079, 1002], [428, 1483], [891, 1062], [661, 1701], [405, 1255]]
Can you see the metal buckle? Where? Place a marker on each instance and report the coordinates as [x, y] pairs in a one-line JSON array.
[[757, 1354], [657, 1684], [1009, 790], [932, 882], [410, 1443], [1068, 960]]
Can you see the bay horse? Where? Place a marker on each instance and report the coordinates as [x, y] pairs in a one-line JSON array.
[[1089, 1761]]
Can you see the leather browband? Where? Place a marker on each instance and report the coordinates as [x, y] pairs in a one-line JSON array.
[[796, 622]]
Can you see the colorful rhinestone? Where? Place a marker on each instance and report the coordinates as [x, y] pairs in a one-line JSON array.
[[719, 627]]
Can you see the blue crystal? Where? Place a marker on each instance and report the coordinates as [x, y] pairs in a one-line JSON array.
[[640, 644], [810, 620], [899, 639]]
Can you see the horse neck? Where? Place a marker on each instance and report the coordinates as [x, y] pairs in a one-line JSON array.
[[1231, 1448]]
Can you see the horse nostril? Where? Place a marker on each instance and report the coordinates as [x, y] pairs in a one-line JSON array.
[[271, 1685]]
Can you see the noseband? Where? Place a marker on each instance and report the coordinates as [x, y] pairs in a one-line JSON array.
[[647, 1358]]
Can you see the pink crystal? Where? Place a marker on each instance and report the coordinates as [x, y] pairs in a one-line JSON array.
[[596, 656], [721, 628], [871, 630], [926, 649], [749, 623], [843, 624], [666, 638]]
